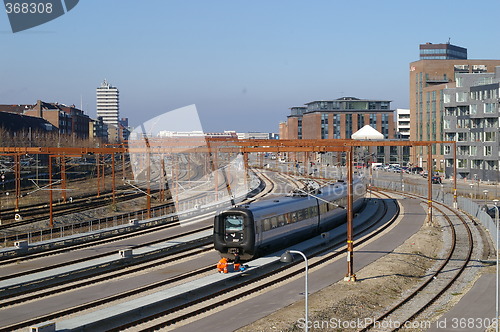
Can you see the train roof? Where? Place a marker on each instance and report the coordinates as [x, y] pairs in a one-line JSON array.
[[299, 201]]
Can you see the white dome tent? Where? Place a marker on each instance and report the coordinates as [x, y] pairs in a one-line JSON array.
[[367, 132]]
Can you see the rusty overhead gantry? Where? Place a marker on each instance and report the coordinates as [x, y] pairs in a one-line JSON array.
[[347, 146], [212, 147]]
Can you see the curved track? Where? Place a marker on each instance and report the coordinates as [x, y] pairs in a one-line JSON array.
[[250, 285], [168, 260], [457, 259]]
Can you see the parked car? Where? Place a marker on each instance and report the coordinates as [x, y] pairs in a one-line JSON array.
[[416, 170], [491, 212]]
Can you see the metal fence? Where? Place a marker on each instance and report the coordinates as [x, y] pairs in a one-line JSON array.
[[440, 193]]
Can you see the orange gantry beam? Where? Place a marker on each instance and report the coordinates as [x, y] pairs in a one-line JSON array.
[[224, 145]]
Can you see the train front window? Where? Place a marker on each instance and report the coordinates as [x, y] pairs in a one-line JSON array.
[[233, 223]]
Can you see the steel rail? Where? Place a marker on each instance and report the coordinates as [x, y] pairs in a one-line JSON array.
[[432, 278], [261, 282]]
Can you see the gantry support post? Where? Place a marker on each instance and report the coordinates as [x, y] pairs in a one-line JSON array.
[[103, 173], [63, 177], [97, 157], [113, 183], [17, 165], [162, 179], [350, 242], [148, 199], [123, 165], [51, 209], [429, 184], [455, 202], [245, 162]]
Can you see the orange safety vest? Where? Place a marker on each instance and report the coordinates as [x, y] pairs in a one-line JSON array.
[[222, 264]]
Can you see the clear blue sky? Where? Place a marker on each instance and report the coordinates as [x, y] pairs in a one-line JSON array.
[[243, 63]]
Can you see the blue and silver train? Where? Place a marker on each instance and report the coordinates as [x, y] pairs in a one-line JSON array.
[[260, 227]]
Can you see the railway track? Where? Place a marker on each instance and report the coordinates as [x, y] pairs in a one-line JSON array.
[[249, 285], [84, 206], [457, 259], [179, 253], [167, 223], [41, 213], [407, 310]]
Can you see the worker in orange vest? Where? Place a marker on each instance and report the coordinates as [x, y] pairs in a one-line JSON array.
[[222, 265], [237, 262]]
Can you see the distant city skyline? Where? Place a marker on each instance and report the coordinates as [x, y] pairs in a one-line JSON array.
[[243, 64]]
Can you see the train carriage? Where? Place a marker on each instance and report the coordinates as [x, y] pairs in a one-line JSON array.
[[255, 229]]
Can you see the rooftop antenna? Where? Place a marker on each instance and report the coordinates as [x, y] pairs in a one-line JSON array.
[[449, 39]]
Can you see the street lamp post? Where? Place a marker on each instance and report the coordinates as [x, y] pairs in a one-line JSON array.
[[496, 299], [287, 258]]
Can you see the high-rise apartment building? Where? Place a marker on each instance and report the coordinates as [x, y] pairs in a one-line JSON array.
[[108, 104], [428, 79], [472, 120]]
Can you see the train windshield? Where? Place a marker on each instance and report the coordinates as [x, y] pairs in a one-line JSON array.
[[233, 223]]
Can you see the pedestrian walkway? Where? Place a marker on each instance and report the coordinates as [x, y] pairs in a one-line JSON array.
[[474, 312]]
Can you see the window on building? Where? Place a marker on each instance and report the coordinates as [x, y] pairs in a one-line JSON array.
[[473, 109], [446, 124], [490, 123], [447, 98], [463, 110], [463, 123], [447, 150], [348, 125], [324, 126], [451, 111], [361, 121], [461, 96], [473, 150], [299, 129], [488, 150], [462, 137], [490, 165], [385, 125], [489, 108], [461, 163], [476, 164], [336, 126], [476, 136], [489, 136], [462, 150]]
